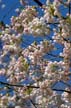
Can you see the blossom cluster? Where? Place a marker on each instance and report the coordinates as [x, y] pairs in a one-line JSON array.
[[19, 64]]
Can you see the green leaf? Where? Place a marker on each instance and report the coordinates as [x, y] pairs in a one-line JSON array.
[[68, 20], [54, 67], [35, 43], [52, 9], [28, 91], [26, 65], [0, 33], [21, 8]]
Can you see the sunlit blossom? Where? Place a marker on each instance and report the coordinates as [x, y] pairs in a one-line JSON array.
[[30, 77]]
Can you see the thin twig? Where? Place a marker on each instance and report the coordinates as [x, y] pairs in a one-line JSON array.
[[61, 90], [69, 8], [18, 85], [33, 103], [28, 86], [38, 2]]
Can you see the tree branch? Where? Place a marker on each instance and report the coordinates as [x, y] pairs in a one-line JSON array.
[[18, 85], [33, 103], [61, 90], [38, 2], [29, 86], [69, 8]]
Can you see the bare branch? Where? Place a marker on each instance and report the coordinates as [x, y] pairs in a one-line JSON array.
[[29, 86], [38, 2], [61, 90], [18, 85]]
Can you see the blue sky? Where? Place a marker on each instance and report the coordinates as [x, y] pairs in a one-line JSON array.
[[9, 10]]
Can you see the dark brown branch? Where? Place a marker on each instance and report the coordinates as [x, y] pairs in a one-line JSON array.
[[53, 23], [67, 40], [61, 90], [69, 8], [28, 86], [33, 103], [38, 2], [18, 85], [54, 55]]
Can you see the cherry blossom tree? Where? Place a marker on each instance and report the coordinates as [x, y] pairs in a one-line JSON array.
[[37, 62]]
